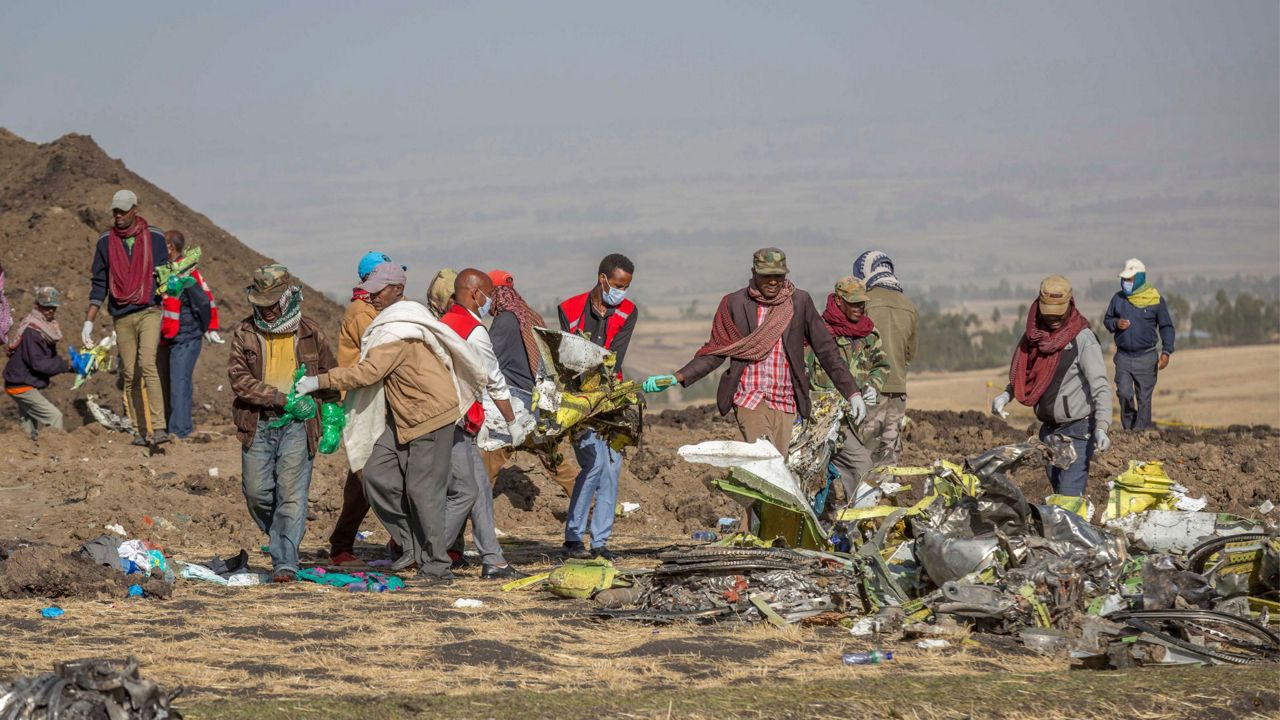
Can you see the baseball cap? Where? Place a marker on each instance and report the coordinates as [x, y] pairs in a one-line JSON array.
[[501, 278], [851, 290], [371, 260], [769, 261], [1132, 267], [124, 200], [1055, 295], [48, 297], [384, 274]]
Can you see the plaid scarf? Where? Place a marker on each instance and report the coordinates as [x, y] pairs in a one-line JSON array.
[[727, 341], [1035, 361], [290, 305], [506, 299], [131, 274], [36, 321]]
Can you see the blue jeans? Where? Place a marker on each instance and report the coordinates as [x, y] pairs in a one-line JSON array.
[[1071, 480], [597, 480], [182, 364], [277, 476]]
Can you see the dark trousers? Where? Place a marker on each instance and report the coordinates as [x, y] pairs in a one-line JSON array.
[[407, 486], [354, 507], [179, 365], [1135, 383]]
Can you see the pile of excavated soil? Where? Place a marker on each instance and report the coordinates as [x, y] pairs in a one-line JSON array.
[[38, 570]]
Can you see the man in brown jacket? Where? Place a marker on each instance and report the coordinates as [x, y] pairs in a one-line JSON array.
[[266, 350], [762, 330], [406, 475]]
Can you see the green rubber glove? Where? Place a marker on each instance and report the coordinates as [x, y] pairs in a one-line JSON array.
[[658, 383]]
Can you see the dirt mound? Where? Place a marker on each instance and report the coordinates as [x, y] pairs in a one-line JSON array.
[[53, 207], [49, 572]]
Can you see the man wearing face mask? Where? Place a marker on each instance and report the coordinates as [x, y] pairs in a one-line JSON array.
[[1138, 317], [470, 494], [762, 331], [607, 318]]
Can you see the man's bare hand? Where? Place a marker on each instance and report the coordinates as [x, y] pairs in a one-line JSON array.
[[1122, 324], [1164, 361]]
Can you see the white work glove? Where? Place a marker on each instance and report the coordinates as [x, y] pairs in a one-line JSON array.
[[857, 409], [86, 335], [870, 396], [997, 405], [1101, 442], [518, 433], [213, 337], [307, 384]]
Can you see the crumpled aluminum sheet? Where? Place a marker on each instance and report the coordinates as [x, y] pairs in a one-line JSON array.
[[952, 558]]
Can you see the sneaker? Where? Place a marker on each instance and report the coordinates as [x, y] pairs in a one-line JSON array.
[[140, 440], [159, 438], [575, 550], [345, 559], [406, 561], [502, 572], [603, 552], [431, 580], [284, 575]]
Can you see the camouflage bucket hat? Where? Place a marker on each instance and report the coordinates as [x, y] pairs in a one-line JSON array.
[[48, 297], [769, 261], [851, 290], [269, 283]]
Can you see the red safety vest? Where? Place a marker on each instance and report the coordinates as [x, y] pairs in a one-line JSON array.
[[171, 310], [461, 321], [575, 311]]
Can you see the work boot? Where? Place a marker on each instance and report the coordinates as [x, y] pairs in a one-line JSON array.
[[575, 550], [406, 561], [502, 572], [603, 552], [159, 437], [140, 440], [284, 575]]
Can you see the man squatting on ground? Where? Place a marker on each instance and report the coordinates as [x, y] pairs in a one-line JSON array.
[[1138, 317], [266, 350], [124, 270], [1057, 369], [420, 370], [33, 360]]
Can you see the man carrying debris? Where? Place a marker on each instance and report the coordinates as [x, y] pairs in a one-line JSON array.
[[276, 453], [762, 331], [606, 317], [124, 272], [859, 344], [185, 320], [359, 313], [1138, 317], [421, 372], [33, 359], [470, 494], [895, 318], [1058, 369]]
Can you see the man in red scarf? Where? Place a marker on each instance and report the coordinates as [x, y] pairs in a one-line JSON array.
[[1058, 370], [124, 272], [762, 331]]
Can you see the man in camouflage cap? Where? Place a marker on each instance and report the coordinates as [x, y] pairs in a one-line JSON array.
[[33, 359], [762, 331], [859, 344]]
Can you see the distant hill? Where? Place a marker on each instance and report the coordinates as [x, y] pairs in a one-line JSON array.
[[53, 206]]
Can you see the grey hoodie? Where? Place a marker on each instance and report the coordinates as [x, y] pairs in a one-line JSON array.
[[1084, 388]]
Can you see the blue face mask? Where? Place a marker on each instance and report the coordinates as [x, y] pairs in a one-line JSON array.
[[486, 307], [1126, 286], [613, 297]]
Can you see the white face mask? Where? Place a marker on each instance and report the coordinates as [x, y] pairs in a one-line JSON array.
[[488, 305]]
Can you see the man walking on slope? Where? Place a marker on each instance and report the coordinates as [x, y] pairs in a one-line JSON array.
[[425, 375], [606, 317], [470, 494], [895, 317], [762, 331], [1138, 317], [124, 272], [359, 313]]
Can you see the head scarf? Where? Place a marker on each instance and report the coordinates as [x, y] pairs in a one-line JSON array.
[[506, 299], [35, 320], [1035, 360], [875, 269], [290, 305], [841, 326], [727, 341]]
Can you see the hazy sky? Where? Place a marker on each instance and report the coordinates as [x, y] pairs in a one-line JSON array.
[[297, 124]]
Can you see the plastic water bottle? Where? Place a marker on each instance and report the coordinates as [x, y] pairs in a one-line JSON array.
[[704, 536], [875, 657]]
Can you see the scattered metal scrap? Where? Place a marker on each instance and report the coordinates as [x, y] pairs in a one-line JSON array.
[[85, 689]]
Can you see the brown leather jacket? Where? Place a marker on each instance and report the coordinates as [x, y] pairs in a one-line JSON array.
[[806, 327], [253, 396]]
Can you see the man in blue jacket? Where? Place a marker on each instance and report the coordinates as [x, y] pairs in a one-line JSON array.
[[1138, 317]]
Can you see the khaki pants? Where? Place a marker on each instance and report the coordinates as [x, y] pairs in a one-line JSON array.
[[138, 340], [494, 461], [765, 422], [35, 410], [882, 430]]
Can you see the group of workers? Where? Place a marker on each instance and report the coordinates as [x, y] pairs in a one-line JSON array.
[[412, 378]]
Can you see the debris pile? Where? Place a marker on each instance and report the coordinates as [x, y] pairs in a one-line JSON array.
[[85, 689]]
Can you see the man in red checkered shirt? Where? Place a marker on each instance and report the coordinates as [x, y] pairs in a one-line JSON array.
[[762, 330]]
